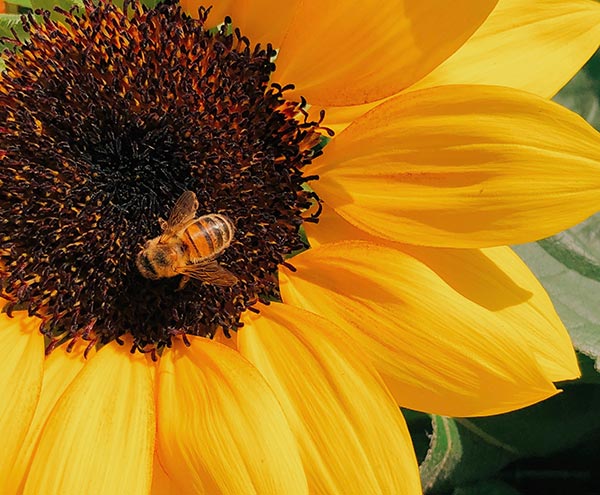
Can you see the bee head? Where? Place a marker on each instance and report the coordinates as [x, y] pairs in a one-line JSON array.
[[145, 266]]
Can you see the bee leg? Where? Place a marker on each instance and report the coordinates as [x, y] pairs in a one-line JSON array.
[[184, 280]]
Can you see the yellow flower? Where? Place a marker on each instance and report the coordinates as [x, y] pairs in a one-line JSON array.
[[408, 295]]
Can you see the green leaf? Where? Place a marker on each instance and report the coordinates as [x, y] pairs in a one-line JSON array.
[[568, 266], [444, 456], [467, 450], [419, 425], [8, 21], [589, 373], [578, 248], [20, 3], [150, 3], [50, 4], [461, 453], [581, 96], [491, 487]]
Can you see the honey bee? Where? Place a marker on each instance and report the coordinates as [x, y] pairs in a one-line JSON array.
[[188, 246]]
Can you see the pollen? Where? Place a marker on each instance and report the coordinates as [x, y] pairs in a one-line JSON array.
[[107, 116]]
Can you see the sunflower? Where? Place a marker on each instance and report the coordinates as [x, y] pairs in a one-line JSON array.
[[371, 267]]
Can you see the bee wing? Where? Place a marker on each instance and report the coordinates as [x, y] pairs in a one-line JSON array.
[[183, 211], [210, 272]]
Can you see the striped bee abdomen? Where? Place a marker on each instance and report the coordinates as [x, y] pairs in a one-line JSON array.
[[207, 236]]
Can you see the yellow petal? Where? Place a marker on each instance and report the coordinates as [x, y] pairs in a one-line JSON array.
[[494, 278], [60, 368], [22, 354], [221, 428], [436, 350], [338, 118], [262, 21], [463, 166], [163, 484], [333, 228], [337, 406], [219, 9], [354, 52], [99, 437], [536, 46], [230, 341], [497, 279]]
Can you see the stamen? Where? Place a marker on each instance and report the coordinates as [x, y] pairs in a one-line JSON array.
[[289, 266], [89, 347]]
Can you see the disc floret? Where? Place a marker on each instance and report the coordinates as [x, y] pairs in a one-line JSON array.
[[107, 116]]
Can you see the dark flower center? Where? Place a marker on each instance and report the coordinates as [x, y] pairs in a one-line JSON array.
[[106, 118]]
